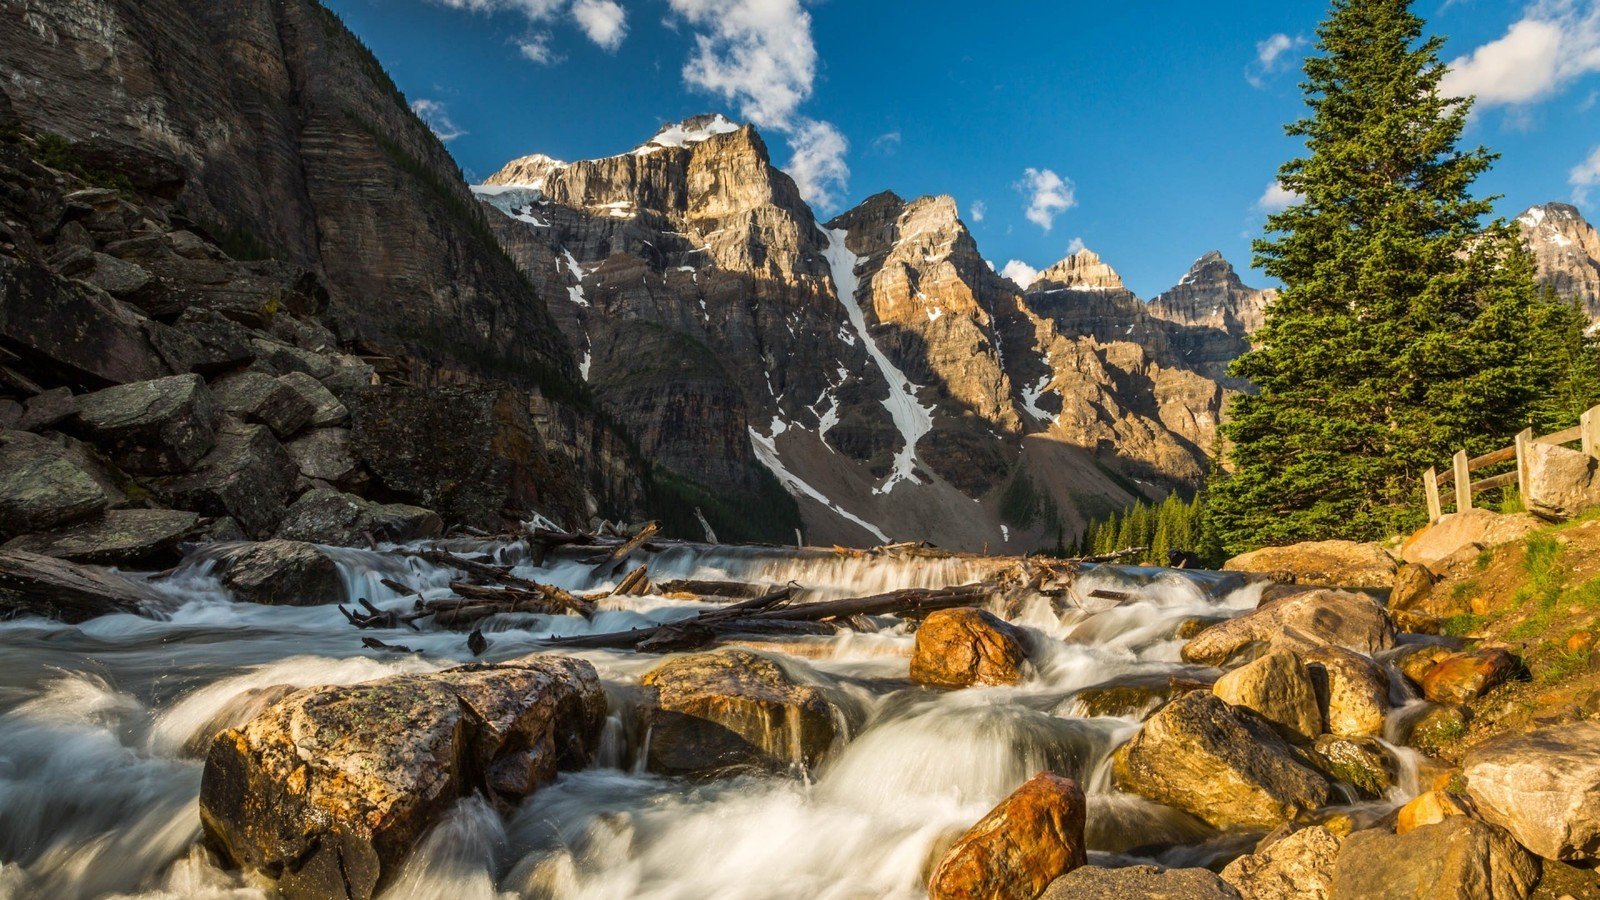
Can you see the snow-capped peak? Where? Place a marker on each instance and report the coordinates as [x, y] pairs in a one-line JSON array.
[[689, 131]]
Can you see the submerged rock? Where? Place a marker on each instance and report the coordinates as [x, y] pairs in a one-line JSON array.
[[1022, 845], [1298, 866], [1459, 858], [733, 709], [283, 573], [1220, 763], [962, 647], [1543, 787], [1129, 882], [1332, 563], [1278, 688], [1300, 621], [330, 789]]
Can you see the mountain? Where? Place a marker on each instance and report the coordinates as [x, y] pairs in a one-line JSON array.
[[874, 367], [1568, 250]]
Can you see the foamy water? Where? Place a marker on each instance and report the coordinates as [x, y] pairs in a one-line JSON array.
[[98, 724]]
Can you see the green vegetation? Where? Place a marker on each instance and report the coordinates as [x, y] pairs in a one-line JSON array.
[[1173, 524], [1407, 329], [55, 151]]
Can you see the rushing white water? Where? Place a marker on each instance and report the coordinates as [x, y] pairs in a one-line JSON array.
[[101, 725]]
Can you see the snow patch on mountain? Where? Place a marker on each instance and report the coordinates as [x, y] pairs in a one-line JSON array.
[[766, 450], [692, 131]]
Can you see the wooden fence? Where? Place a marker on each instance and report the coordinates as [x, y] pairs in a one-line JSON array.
[[1463, 488]]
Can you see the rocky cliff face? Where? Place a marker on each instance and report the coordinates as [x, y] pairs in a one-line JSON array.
[[876, 367], [1568, 250], [270, 129]]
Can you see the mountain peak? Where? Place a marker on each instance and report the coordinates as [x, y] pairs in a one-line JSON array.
[[692, 130], [1083, 270]]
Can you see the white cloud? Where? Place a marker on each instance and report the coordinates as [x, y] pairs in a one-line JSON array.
[[887, 143], [759, 54], [1276, 198], [602, 21], [978, 210], [1554, 43], [436, 117], [1075, 246], [818, 165], [1049, 195], [1585, 177], [1272, 56], [1020, 272]]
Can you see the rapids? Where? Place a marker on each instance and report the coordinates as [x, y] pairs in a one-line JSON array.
[[98, 792]]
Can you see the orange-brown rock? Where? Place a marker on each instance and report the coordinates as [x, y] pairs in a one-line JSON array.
[[1032, 838], [1463, 677], [1334, 563], [1428, 808], [962, 647]]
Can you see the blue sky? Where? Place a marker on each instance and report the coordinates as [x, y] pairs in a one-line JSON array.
[[1150, 131]]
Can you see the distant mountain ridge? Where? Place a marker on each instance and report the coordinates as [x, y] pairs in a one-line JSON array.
[[1568, 250]]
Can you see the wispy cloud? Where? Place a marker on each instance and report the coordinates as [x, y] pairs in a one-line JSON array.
[[1075, 246], [1273, 55], [887, 143], [1276, 198], [759, 54], [604, 22], [1554, 43], [1049, 195], [978, 210], [1020, 272], [434, 114], [1585, 177]]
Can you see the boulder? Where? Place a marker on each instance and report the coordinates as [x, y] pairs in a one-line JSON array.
[[118, 537], [31, 584], [222, 345], [1427, 808], [1298, 866], [160, 426], [1032, 838], [239, 709], [77, 332], [1145, 882], [1436, 729], [1352, 691], [1543, 787], [260, 398], [1464, 677], [247, 476], [1457, 530], [325, 455], [961, 647], [329, 790], [1412, 584], [282, 573], [1333, 563], [1363, 763], [1278, 688], [40, 488], [1562, 482], [1220, 763], [1300, 621], [278, 358], [117, 277], [323, 516], [734, 709], [1459, 858], [48, 409], [327, 410]]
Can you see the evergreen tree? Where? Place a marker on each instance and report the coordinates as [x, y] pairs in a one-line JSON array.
[[1403, 330]]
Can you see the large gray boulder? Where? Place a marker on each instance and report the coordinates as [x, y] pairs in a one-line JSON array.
[[1459, 858], [40, 488], [80, 333], [324, 516], [282, 573], [734, 709], [1562, 483], [258, 397], [330, 789], [165, 425], [1300, 621], [117, 537], [1543, 787], [324, 454], [247, 476], [327, 411], [1220, 763]]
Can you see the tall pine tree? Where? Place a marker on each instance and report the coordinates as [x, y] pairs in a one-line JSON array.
[[1404, 329]]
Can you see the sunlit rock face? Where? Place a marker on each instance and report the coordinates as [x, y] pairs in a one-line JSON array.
[[1568, 251], [876, 367]]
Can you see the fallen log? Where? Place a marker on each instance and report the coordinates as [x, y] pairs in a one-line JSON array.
[[58, 589], [635, 582], [912, 601], [501, 575], [618, 640], [609, 563], [734, 589]]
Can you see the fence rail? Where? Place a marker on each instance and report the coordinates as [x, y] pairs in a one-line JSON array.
[[1462, 485]]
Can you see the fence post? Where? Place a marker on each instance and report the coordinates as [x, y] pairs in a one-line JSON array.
[[1524, 440], [1590, 423], [1463, 482], [1430, 484]]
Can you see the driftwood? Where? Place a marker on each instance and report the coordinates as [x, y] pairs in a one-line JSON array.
[[738, 590], [502, 575], [58, 589], [626, 639], [607, 565], [635, 582]]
